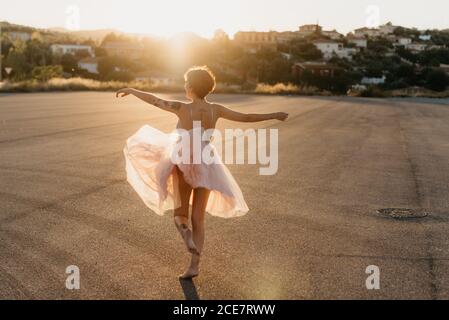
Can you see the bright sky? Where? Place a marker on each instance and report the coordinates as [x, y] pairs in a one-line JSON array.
[[168, 17]]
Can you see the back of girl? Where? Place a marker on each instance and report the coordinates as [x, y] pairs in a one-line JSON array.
[[165, 186], [199, 83]]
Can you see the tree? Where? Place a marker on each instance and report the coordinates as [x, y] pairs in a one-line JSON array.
[[69, 63], [434, 57], [106, 66], [17, 61], [437, 80], [45, 73], [379, 45], [100, 52], [407, 54], [37, 53], [305, 51]]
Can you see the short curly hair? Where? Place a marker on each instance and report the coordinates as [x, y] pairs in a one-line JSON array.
[[201, 80]]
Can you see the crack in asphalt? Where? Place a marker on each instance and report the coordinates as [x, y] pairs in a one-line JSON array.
[[420, 196]]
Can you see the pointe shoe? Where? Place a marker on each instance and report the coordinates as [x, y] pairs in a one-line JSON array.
[[187, 236]]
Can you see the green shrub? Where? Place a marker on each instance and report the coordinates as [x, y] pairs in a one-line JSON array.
[[374, 92], [45, 73], [437, 80]]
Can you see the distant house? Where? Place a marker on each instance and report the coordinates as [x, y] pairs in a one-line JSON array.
[[287, 36], [254, 40], [61, 49], [373, 80], [316, 68], [330, 48], [367, 32], [416, 47], [308, 29], [387, 28], [123, 49], [333, 34], [257, 40], [18, 36], [360, 42], [425, 37], [89, 64], [402, 41]]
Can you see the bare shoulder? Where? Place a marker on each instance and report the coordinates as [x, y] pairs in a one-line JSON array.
[[217, 108]]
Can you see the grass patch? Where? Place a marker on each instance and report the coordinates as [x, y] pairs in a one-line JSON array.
[[80, 84], [288, 88]]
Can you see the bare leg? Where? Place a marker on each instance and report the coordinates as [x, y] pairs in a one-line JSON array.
[[182, 213], [200, 198]]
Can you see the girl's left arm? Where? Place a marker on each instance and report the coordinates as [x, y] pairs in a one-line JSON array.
[[229, 114], [166, 105]]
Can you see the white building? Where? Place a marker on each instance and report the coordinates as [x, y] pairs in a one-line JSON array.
[[417, 47], [18, 36], [373, 80], [89, 64], [387, 28], [347, 53], [330, 48], [360, 42], [62, 49], [425, 37], [403, 41]]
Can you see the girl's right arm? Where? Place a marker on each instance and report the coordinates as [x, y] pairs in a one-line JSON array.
[[166, 105], [225, 113]]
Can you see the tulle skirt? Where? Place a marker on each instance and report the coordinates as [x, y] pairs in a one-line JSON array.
[[153, 175]]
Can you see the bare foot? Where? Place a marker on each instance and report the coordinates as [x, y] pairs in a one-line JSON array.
[[193, 270], [186, 234], [189, 274]]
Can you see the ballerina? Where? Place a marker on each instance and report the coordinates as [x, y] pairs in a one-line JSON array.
[[167, 186]]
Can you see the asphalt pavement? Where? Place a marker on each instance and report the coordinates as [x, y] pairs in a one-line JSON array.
[[312, 230]]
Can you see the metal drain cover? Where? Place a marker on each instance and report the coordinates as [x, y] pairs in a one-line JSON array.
[[402, 213]]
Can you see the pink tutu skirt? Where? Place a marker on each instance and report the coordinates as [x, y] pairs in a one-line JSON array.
[[153, 175]]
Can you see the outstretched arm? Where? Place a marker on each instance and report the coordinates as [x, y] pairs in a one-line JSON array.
[[229, 114], [170, 106]]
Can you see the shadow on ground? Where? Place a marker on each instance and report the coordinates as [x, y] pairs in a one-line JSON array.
[[189, 289]]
